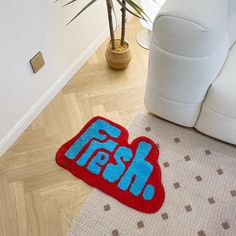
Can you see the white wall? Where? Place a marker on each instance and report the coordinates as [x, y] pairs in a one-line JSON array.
[[27, 27]]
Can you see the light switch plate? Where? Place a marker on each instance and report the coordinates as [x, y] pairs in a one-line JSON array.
[[37, 62]]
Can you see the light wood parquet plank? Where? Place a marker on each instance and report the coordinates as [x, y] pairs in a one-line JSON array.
[[34, 212], [51, 216], [18, 200]]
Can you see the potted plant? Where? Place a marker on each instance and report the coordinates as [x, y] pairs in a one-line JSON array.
[[118, 53]]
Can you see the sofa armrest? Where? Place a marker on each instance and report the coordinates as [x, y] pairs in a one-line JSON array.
[[193, 28], [188, 49]]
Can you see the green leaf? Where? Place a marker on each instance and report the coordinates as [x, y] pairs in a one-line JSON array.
[[138, 9], [69, 3], [88, 5], [156, 2], [132, 13]]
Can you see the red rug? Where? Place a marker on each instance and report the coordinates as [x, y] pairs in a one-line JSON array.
[[101, 156]]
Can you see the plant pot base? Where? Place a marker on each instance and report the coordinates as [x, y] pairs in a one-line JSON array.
[[118, 60]]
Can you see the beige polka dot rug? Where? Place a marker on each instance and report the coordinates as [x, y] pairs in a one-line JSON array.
[[199, 177]]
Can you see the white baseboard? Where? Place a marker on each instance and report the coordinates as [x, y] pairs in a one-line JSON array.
[[27, 119]]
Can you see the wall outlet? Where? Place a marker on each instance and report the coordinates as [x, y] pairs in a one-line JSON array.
[[37, 62]]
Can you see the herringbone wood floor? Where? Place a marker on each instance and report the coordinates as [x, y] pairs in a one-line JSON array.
[[37, 197]]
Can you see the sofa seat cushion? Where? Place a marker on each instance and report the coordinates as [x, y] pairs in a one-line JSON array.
[[221, 96], [231, 27], [218, 114]]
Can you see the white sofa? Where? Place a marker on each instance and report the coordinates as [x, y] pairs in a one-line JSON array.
[[192, 66]]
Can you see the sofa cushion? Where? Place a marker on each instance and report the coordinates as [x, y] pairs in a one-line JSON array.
[[221, 96], [232, 22], [218, 113]]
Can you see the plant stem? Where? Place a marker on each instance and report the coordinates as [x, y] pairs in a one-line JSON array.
[[109, 12], [122, 38]]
